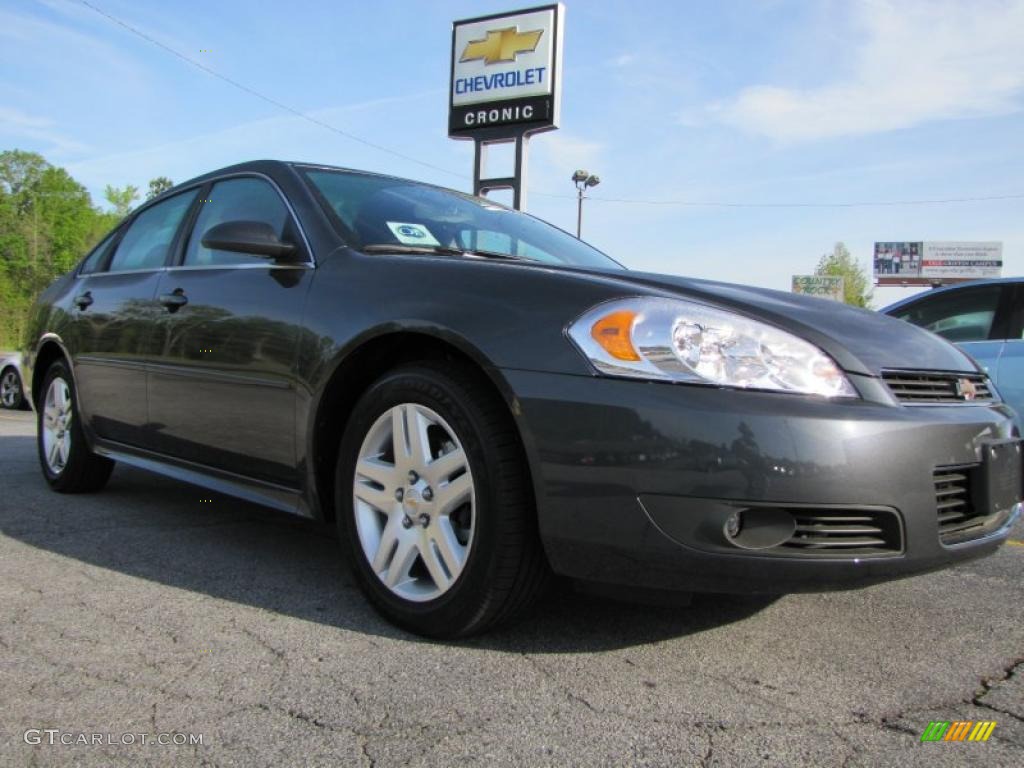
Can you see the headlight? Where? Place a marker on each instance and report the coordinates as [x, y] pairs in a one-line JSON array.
[[676, 340]]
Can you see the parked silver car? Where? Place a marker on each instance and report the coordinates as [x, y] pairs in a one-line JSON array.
[[12, 390]]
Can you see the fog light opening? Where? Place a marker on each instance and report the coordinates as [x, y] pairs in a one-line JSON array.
[[758, 527]]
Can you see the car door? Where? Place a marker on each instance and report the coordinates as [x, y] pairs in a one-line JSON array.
[[972, 317], [1010, 373], [222, 391], [112, 316]]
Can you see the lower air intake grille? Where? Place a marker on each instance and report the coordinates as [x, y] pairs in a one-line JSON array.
[[923, 388], [845, 532], [959, 520]]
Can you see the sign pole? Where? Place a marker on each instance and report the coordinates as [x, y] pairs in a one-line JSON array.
[[517, 181], [519, 191]]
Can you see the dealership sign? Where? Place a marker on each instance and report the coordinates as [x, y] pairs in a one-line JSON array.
[[931, 263], [506, 71], [823, 286]]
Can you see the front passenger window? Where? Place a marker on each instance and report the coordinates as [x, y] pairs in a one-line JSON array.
[[245, 199], [958, 316]]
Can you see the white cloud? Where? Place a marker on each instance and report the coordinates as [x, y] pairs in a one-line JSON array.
[[50, 45], [281, 136], [915, 61], [18, 124], [554, 158], [15, 119], [162, 19]]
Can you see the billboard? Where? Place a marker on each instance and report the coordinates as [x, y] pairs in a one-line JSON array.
[[823, 286], [962, 260], [930, 263], [506, 71]]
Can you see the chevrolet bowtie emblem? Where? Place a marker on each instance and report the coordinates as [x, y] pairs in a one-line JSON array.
[[966, 389], [501, 45]]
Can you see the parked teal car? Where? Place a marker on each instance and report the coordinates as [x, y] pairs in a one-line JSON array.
[[985, 318]]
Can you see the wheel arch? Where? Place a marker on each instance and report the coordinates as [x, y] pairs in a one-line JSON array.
[[50, 349], [12, 367], [366, 361]]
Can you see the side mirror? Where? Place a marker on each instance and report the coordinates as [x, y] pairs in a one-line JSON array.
[[253, 237]]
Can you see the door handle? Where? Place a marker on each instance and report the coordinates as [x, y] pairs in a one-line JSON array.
[[174, 300], [83, 300]]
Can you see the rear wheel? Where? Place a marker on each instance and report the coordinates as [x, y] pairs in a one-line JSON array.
[[435, 503], [68, 464], [12, 396]]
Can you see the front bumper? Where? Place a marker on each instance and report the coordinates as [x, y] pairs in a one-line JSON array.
[[635, 481]]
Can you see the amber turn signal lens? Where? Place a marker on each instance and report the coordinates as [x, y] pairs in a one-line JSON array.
[[612, 332]]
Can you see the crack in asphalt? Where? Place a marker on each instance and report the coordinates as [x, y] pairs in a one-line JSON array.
[[263, 643], [888, 722], [364, 748], [709, 753], [990, 683], [574, 696]]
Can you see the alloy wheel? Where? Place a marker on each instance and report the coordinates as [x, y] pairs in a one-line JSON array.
[[414, 502], [10, 390], [56, 423]]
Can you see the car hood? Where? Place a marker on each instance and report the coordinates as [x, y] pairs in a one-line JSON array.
[[859, 340]]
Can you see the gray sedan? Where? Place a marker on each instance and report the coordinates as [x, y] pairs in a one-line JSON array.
[[478, 400]]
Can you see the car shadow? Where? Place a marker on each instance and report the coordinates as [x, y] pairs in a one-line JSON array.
[[185, 537]]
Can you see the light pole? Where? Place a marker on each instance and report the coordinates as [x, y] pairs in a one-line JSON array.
[[582, 179]]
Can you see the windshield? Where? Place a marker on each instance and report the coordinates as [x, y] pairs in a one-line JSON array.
[[379, 211]]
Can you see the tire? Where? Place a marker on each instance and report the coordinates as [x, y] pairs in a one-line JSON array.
[[476, 559], [12, 394], [68, 464]]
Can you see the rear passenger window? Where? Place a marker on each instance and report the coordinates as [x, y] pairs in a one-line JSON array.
[[94, 260], [146, 243]]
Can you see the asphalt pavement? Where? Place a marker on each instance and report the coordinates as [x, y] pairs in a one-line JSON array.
[[157, 610]]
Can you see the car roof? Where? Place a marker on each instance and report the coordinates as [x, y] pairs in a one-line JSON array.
[[950, 289], [265, 166]]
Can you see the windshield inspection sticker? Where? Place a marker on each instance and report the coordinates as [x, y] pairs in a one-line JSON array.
[[411, 234]]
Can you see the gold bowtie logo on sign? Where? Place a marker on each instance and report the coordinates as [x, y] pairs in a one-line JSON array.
[[502, 45]]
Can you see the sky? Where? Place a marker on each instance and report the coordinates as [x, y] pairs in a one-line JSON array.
[[751, 103]]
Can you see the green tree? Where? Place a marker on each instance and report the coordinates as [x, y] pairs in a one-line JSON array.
[[47, 222], [856, 283], [121, 199], [20, 170], [158, 186]]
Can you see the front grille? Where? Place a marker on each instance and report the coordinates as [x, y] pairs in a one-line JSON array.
[[845, 532], [924, 388], [959, 519]]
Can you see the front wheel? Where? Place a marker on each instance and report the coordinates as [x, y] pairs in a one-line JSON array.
[[435, 501], [68, 464]]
